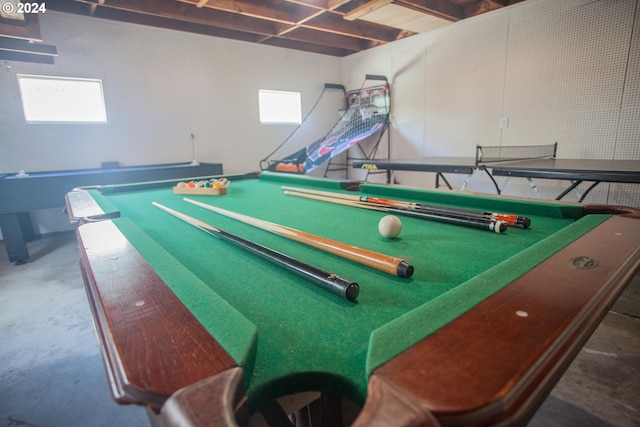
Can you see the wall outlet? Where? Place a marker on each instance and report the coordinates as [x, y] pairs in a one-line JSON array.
[[504, 122]]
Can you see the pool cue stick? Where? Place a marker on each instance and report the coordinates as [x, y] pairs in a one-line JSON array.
[[340, 286], [386, 263], [486, 224], [509, 219]]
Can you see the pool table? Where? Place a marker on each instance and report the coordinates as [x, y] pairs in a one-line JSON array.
[[203, 332], [26, 192]]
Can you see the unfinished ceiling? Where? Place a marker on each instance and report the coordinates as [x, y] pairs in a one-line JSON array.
[[330, 27]]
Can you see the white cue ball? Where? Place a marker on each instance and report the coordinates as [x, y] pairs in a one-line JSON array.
[[390, 226]]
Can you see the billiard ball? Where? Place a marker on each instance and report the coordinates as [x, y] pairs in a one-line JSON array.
[[390, 226]]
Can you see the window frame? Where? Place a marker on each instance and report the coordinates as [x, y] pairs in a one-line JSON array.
[[32, 116], [269, 117]]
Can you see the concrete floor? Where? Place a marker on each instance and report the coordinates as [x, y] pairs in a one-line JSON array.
[[51, 372]]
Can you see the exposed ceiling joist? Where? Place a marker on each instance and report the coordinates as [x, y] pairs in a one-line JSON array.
[[330, 27]]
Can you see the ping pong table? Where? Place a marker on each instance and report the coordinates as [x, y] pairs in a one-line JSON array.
[[545, 166]]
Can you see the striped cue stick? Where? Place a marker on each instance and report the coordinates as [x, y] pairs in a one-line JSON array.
[[508, 219], [480, 223], [386, 263], [340, 286]]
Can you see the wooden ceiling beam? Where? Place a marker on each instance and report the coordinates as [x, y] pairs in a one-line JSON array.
[[321, 4], [484, 6], [270, 10], [321, 37], [481, 7], [308, 47], [321, 20], [334, 23], [170, 9], [172, 24], [92, 8]]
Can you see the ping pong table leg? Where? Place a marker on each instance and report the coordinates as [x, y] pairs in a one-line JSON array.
[[534, 187], [574, 186], [440, 175], [490, 175], [591, 187], [466, 182]]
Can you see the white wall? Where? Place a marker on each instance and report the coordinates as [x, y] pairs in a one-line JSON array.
[[566, 72], [160, 85]]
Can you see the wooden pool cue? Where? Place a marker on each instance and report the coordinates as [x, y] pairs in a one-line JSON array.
[[509, 219], [386, 263], [479, 223], [340, 286]]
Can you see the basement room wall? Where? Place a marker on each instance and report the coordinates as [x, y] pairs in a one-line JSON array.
[[160, 86], [565, 72]]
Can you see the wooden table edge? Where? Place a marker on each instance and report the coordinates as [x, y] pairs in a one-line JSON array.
[[143, 366], [526, 391]]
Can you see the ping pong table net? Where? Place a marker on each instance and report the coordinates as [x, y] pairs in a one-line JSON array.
[[496, 153]]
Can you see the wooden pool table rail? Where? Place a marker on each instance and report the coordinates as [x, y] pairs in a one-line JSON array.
[[503, 382], [151, 344]]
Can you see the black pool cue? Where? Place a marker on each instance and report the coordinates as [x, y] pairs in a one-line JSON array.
[[509, 219], [479, 223], [340, 286]]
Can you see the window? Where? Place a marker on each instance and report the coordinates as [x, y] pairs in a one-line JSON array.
[[279, 107], [62, 100]]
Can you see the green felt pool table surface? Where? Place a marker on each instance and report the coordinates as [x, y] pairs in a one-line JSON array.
[[289, 335]]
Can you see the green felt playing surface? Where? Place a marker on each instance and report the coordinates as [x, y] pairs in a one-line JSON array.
[[275, 324]]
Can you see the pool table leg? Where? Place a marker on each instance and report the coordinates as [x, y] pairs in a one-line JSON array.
[[17, 230]]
